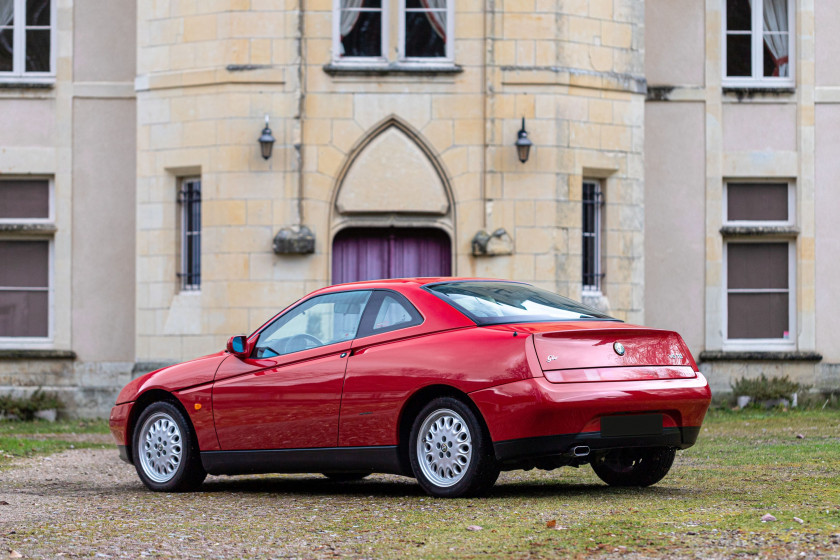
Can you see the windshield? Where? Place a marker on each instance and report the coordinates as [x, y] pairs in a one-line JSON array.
[[490, 303]]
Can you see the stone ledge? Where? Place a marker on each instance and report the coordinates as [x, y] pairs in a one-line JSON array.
[[26, 85], [749, 92], [759, 230], [738, 356], [566, 76], [33, 354], [141, 368], [27, 228], [394, 68]]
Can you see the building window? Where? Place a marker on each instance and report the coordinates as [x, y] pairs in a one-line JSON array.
[[760, 263], [758, 48], [189, 199], [26, 233], [27, 32], [424, 29], [593, 202], [362, 31]]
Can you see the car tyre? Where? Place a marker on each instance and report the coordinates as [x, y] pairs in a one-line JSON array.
[[165, 451], [347, 476], [634, 467], [450, 450]]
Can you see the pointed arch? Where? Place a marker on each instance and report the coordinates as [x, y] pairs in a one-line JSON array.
[[397, 153]]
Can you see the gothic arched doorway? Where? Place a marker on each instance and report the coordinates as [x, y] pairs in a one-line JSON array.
[[392, 252]]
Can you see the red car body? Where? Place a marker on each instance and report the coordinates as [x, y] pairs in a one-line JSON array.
[[541, 388]]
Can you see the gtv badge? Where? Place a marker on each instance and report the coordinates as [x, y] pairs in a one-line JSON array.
[[619, 348]]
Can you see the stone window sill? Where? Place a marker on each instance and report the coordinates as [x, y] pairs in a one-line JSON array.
[[24, 84], [391, 69], [739, 356], [732, 231], [27, 229], [33, 354], [750, 92]]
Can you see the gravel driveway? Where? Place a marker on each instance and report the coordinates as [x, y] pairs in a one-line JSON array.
[[88, 503]]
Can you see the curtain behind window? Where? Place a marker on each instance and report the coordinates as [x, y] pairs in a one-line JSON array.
[[776, 34], [437, 19]]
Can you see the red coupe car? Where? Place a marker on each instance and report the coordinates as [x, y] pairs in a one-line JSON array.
[[447, 380]]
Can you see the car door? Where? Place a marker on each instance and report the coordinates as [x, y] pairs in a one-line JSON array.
[[379, 373], [287, 394]]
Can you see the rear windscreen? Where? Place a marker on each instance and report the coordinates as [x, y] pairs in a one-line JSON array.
[[489, 303]]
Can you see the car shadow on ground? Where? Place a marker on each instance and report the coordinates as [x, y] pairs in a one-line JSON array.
[[407, 487]]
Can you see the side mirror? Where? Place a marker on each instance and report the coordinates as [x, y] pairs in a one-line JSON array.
[[238, 346]]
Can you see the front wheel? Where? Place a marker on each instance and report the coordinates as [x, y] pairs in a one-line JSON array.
[[450, 452], [634, 467], [165, 456]]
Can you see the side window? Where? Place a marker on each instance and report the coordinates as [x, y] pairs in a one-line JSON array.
[[391, 314], [389, 311], [316, 322]]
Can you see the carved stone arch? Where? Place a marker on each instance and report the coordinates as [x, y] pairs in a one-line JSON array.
[[393, 170], [393, 178]]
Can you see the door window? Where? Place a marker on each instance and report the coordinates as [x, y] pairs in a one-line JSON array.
[[319, 321]]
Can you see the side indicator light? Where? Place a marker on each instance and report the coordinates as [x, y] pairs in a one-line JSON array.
[[198, 406]]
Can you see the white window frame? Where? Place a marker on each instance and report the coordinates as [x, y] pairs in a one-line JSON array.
[[757, 35], [360, 60], [448, 58], [36, 342], [791, 220], [761, 344], [19, 72], [594, 289]]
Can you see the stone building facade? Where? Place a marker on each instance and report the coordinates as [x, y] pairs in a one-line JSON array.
[[395, 124], [67, 190], [728, 131], [381, 142]]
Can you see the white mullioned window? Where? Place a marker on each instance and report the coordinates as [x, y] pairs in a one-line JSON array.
[[593, 203], [759, 266], [426, 30], [27, 227], [363, 31], [189, 199], [758, 43], [27, 40]]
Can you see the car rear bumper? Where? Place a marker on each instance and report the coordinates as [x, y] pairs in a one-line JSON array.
[[535, 417], [543, 446]]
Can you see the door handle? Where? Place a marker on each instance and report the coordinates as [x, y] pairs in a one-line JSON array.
[[343, 355]]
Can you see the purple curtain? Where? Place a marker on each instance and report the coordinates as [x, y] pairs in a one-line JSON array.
[[371, 254]]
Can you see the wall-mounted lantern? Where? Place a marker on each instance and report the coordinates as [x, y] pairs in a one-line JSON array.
[[523, 144], [266, 141]]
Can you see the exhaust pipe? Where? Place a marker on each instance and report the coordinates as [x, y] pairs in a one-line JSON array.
[[578, 451]]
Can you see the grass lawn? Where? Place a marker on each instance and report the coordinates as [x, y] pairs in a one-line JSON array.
[[25, 439]]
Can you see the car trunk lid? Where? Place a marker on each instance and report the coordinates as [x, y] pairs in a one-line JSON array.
[[612, 354]]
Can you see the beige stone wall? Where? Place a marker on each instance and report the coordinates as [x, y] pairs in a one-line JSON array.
[[79, 132], [573, 71]]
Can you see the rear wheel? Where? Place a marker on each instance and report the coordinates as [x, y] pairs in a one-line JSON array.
[[635, 466], [450, 452], [347, 477], [165, 455]]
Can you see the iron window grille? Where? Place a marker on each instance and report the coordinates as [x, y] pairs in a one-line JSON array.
[[593, 202], [189, 198]]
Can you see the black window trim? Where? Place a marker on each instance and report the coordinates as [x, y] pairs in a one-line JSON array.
[[257, 333], [484, 322], [372, 309]]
